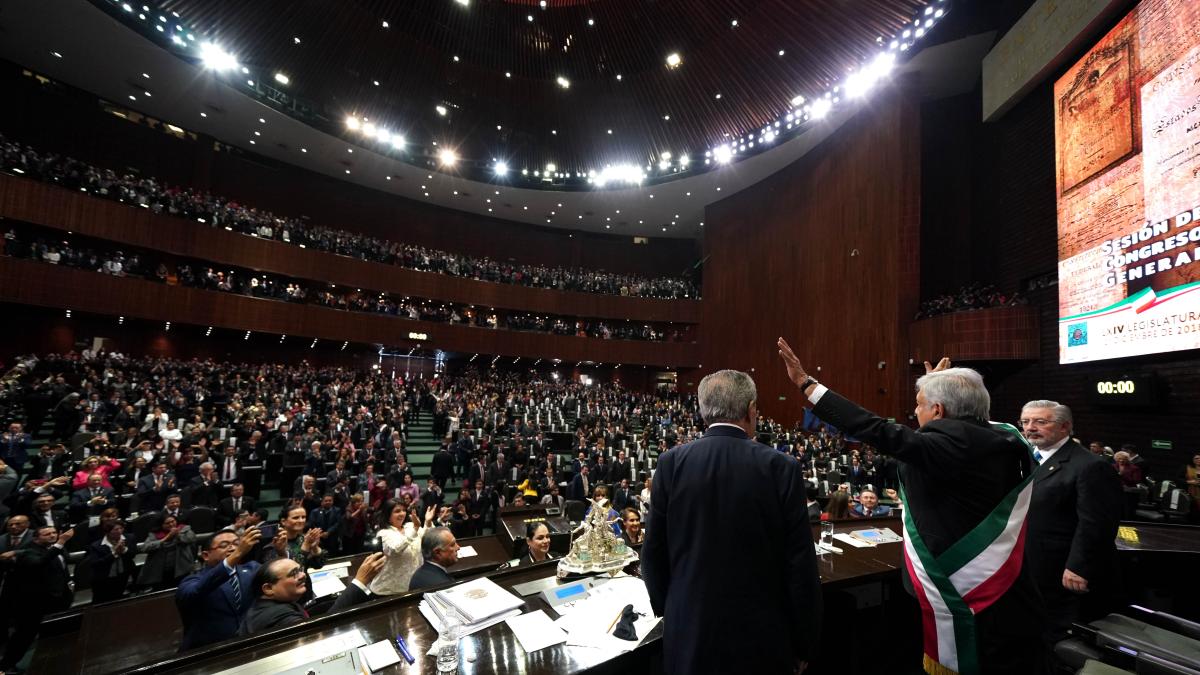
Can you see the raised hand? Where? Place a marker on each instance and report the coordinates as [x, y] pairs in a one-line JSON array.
[[370, 568], [941, 365], [429, 513], [280, 542], [795, 371]]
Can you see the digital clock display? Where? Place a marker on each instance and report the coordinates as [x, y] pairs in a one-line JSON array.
[[1124, 390]]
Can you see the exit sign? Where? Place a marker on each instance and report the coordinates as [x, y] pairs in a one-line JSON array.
[[1162, 445]]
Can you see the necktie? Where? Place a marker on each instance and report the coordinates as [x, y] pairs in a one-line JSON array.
[[229, 469], [236, 586], [1038, 456], [237, 504]]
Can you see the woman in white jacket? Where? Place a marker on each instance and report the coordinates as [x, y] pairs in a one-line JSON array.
[[401, 541]]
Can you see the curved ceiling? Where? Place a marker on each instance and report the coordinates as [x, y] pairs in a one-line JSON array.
[[76, 42], [498, 67]]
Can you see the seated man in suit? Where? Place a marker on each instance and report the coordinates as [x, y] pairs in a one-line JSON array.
[[174, 507], [236, 502], [213, 601], [93, 499], [868, 506], [439, 548], [45, 515], [281, 583]]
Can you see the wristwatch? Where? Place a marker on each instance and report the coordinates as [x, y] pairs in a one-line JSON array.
[[810, 380]]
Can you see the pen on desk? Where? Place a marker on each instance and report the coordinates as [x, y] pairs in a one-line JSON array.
[[403, 646], [614, 621]]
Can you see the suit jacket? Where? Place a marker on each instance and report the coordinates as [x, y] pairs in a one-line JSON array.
[[955, 473], [22, 541], [429, 575], [37, 573], [266, 614], [619, 470], [207, 607], [37, 520], [57, 464], [206, 494], [1073, 518], [82, 498], [576, 489], [329, 520], [226, 514], [775, 594], [442, 467], [151, 499]]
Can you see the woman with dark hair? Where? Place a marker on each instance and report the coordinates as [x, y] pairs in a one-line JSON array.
[[401, 543], [839, 506], [631, 527], [355, 524], [170, 555], [537, 540]]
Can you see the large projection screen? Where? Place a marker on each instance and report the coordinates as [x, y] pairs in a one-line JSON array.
[[1127, 156]]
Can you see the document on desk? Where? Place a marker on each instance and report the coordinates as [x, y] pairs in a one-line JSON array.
[[856, 543], [467, 552], [326, 583], [589, 622], [379, 655], [536, 630]]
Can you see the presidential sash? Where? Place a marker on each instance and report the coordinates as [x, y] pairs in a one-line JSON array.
[[967, 577]]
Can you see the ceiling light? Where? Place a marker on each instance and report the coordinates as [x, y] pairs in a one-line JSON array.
[[132, 97], [383, 135], [610, 132], [375, 82], [821, 108], [281, 78], [441, 110], [673, 60], [781, 52], [303, 149], [447, 157], [398, 142], [563, 82], [723, 154], [296, 40], [623, 173], [215, 58], [530, 17], [551, 168], [385, 24], [591, 22], [733, 24], [507, 74], [258, 133], [456, 59], [204, 114], [618, 77], [718, 97], [683, 161], [500, 169]]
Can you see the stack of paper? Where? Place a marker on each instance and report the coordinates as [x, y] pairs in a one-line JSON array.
[[590, 622], [478, 600], [379, 655]]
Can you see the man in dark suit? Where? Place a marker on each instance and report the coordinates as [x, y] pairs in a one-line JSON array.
[[328, 518], [581, 485], [779, 605], [91, 500], [439, 548], [624, 496], [229, 467], [153, 489], [620, 468], [206, 488], [51, 462], [442, 466], [44, 514], [336, 475], [213, 601], [14, 447], [17, 533], [281, 584], [36, 584], [229, 507], [957, 470], [1073, 520]]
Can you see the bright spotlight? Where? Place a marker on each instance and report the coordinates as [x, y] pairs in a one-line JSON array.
[[441, 110], [723, 154], [622, 173], [383, 136], [448, 157], [398, 142], [563, 82], [500, 169], [215, 58], [282, 79], [797, 101], [352, 123], [673, 60], [821, 108], [551, 167]]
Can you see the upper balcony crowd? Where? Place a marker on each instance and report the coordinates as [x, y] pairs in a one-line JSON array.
[[215, 211]]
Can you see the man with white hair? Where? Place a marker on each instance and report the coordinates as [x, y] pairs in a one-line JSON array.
[[966, 486], [733, 568], [1073, 520]]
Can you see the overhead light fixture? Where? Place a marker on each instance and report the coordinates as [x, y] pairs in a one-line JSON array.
[[448, 157], [797, 101], [464, 3], [441, 110], [673, 60], [821, 108], [282, 79], [551, 168], [563, 82], [500, 169], [723, 154], [352, 123], [215, 58], [398, 142]]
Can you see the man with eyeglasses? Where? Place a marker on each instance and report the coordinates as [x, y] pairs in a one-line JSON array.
[[213, 601], [1073, 516], [282, 583]]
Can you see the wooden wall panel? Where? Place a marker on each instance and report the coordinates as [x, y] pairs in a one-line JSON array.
[[826, 254], [51, 206], [999, 334], [36, 283]]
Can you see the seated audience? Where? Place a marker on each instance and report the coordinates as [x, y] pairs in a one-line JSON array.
[[1131, 474], [293, 542], [838, 507], [439, 549], [868, 506], [631, 527], [537, 543], [281, 584]]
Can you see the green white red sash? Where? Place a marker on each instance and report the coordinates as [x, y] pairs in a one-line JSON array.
[[967, 577]]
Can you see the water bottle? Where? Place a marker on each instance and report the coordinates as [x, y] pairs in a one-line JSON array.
[[447, 653]]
